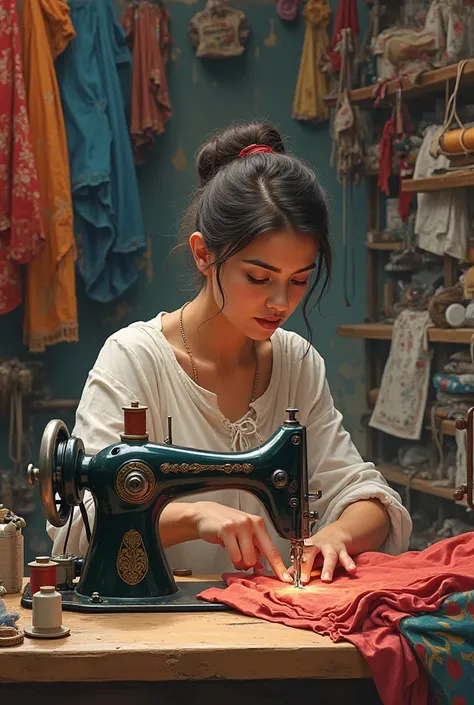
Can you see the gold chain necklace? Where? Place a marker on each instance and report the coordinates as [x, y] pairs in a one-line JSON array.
[[193, 364]]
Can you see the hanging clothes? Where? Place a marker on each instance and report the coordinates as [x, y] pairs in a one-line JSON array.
[[346, 18], [312, 85], [21, 236], [146, 26], [401, 401], [50, 300], [108, 222], [366, 609]]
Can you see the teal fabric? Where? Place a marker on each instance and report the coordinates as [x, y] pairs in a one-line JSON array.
[[108, 223], [444, 642]]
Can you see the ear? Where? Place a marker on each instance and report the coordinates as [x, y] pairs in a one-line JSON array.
[[201, 255]]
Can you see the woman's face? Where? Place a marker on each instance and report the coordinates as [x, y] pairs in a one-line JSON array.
[[265, 282]]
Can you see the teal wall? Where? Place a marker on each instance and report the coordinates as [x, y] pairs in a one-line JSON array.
[[205, 97]]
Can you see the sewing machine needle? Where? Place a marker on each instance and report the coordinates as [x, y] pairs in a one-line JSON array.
[[296, 555]]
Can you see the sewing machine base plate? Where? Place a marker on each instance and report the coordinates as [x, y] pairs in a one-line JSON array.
[[184, 600]]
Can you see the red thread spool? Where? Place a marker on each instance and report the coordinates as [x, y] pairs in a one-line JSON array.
[[42, 572], [134, 421]]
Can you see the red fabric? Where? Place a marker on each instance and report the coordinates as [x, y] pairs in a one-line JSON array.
[[147, 29], [21, 236], [366, 609], [346, 18], [385, 156]]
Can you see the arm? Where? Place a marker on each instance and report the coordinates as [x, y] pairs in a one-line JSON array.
[[358, 510]]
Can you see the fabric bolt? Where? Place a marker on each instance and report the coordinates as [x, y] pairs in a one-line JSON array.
[[50, 301], [444, 643], [21, 235], [108, 222], [137, 362], [366, 609], [401, 400], [147, 31]]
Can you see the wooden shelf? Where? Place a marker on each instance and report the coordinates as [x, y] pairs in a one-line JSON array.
[[398, 477], [387, 245], [430, 81], [453, 179], [381, 331]]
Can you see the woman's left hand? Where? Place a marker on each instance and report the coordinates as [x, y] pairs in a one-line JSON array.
[[327, 547]]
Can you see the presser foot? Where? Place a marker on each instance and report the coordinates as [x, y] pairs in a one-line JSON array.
[[296, 557]]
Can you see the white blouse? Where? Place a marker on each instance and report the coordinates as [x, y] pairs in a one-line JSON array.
[[137, 362]]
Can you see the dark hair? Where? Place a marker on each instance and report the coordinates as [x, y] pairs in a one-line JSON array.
[[240, 198]]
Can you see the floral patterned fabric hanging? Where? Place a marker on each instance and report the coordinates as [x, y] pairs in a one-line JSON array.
[[219, 31], [21, 237]]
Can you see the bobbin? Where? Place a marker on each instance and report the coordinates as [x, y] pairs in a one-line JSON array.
[[47, 615], [134, 422]]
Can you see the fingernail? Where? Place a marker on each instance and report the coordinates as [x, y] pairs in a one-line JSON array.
[[287, 577], [352, 566], [326, 576]]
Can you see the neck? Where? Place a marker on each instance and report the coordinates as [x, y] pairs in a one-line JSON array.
[[211, 336]]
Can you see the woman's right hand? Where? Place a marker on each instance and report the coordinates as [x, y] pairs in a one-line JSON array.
[[244, 536]]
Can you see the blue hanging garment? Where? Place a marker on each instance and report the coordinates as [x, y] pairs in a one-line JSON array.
[[108, 221]]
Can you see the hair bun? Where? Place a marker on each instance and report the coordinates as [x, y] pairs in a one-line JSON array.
[[227, 144]]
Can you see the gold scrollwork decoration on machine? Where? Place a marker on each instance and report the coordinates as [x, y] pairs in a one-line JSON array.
[[132, 560], [196, 468], [135, 482]]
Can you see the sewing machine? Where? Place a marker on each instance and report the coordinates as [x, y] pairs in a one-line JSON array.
[[125, 568]]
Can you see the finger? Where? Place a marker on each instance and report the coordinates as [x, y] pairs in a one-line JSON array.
[[247, 548], [330, 562], [307, 567], [347, 562], [232, 547], [269, 551]]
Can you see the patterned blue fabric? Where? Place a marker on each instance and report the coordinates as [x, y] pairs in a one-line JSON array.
[[107, 214], [7, 619], [444, 642]]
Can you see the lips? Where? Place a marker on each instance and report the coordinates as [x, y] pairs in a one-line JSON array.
[[270, 322]]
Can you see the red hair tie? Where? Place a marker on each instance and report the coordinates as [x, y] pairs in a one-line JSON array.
[[254, 149]]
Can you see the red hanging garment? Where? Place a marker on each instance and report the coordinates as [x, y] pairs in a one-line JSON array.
[[146, 27], [346, 18], [367, 608], [21, 237], [385, 156]]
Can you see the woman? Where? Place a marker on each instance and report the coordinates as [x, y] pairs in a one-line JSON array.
[[226, 372]]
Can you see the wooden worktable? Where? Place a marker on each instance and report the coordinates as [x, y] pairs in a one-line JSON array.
[[210, 657]]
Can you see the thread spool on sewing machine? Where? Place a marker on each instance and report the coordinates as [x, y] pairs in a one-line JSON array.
[[125, 568]]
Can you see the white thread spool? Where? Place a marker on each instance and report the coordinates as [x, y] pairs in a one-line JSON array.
[[455, 315], [47, 614], [11, 552]]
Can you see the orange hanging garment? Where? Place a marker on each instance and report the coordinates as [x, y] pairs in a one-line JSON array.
[[21, 237], [51, 307], [147, 29]]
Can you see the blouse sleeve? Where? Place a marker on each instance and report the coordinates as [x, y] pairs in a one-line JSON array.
[[336, 467], [116, 379]]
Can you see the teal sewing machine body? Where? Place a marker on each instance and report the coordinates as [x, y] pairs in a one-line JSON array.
[[125, 568]]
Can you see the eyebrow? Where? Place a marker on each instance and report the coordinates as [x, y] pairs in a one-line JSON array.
[[259, 263]]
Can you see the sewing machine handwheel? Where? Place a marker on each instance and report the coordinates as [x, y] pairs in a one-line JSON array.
[[49, 474]]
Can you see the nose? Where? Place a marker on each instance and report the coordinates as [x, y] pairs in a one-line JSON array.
[[278, 299]]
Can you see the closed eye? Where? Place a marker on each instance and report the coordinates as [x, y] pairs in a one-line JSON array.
[[256, 281]]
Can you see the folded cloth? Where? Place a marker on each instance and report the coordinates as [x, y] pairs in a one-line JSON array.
[[7, 619], [366, 609], [444, 642]]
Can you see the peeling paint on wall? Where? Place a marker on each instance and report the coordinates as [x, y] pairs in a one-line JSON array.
[[272, 39], [175, 54], [179, 159], [145, 262], [118, 312]]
